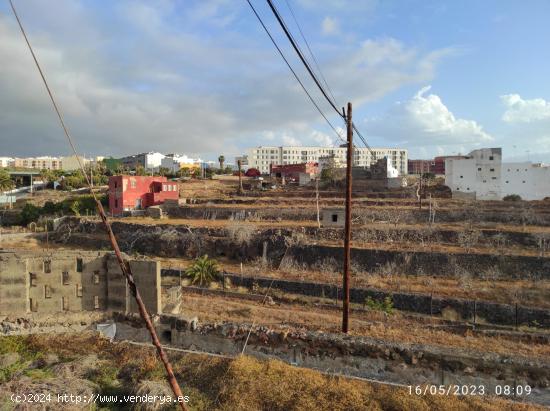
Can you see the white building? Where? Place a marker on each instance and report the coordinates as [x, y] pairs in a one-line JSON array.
[[262, 157], [150, 161], [70, 163], [174, 162], [484, 176], [6, 162]]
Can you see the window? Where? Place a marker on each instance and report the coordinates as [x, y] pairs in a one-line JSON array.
[[116, 203], [132, 183], [96, 302], [490, 157], [461, 176], [506, 181], [65, 277], [32, 279], [115, 185], [523, 181], [33, 305], [494, 178], [492, 169], [335, 218], [79, 265], [47, 291], [96, 277], [164, 187], [479, 169], [64, 303], [79, 290], [47, 266]]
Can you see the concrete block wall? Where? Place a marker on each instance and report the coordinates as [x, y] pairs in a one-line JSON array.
[[84, 281], [14, 287]]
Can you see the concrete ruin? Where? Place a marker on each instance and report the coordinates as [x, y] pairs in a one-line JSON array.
[[74, 281]]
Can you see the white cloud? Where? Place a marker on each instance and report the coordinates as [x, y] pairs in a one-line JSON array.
[[425, 120], [519, 110], [289, 140], [330, 26], [154, 81]]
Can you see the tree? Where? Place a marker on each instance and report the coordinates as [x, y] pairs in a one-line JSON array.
[[221, 160], [140, 170], [30, 213], [184, 172], [5, 181], [163, 171], [203, 271]]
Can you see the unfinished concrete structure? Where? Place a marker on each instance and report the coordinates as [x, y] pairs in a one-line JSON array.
[[71, 281]]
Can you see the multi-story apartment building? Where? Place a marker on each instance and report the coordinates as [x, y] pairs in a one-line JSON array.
[[39, 163], [262, 157]]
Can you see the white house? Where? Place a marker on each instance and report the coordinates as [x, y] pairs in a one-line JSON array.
[[6, 161], [482, 175]]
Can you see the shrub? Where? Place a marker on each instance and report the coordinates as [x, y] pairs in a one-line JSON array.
[[30, 213], [386, 305], [203, 271], [512, 197]]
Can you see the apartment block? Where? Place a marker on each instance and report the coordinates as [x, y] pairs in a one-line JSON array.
[[263, 157]]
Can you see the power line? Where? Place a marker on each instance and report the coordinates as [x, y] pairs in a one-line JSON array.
[[300, 55], [292, 70], [310, 71], [124, 266], [310, 51]]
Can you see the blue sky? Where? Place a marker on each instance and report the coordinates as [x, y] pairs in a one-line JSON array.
[[202, 78]]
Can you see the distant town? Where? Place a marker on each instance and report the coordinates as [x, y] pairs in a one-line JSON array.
[[480, 175]]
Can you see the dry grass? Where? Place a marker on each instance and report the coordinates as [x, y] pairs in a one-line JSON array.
[[396, 328], [245, 383], [532, 293]]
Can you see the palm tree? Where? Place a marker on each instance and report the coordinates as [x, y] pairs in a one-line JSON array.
[[5, 181], [221, 160], [203, 271]]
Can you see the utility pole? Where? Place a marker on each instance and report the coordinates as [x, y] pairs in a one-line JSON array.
[[347, 228], [239, 163]]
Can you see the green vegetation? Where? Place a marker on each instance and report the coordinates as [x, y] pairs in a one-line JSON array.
[[386, 305], [5, 181], [512, 197], [84, 204], [203, 271]]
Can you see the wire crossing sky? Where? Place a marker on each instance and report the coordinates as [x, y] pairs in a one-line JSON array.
[[202, 78]]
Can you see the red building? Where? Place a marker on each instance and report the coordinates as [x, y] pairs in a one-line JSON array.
[[435, 166], [139, 192], [293, 171]]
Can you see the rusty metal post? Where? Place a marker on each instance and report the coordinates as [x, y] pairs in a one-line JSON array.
[[127, 272], [347, 228]]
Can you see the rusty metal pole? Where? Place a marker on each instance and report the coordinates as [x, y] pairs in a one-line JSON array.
[[347, 228], [127, 272]]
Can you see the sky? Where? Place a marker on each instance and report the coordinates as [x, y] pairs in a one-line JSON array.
[[202, 78]]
